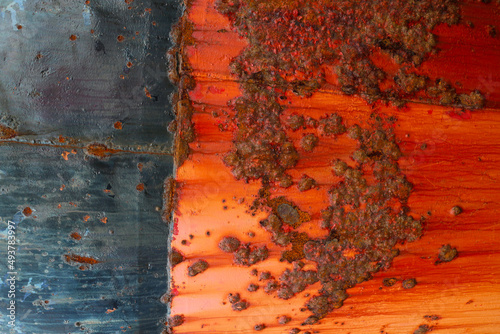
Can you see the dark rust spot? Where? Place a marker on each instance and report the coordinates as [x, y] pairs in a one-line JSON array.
[[409, 283], [99, 151], [197, 268], [73, 258], [6, 132], [389, 281], [229, 244], [176, 320], [176, 257], [76, 236], [456, 210], [446, 254], [27, 211]]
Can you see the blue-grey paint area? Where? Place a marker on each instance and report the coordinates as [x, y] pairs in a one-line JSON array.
[[52, 87]]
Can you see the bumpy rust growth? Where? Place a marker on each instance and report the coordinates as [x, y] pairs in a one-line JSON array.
[[247, 255], [305, 183], [446, 254], [229, 244], [259, 327], [253, 287], [456, 210], [284, 319], [423, 329], [197, 268], [176, 320], [176, 257], [291, 42], [389, 281], [409, 283], [237, 304]]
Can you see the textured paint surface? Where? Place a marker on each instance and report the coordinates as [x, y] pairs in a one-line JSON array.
[[84, 106]]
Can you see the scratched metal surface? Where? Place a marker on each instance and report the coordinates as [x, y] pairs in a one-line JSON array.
[[60, 96]]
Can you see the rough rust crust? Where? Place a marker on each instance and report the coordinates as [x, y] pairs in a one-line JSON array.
[[180, 75], [368, 214], [169, 199], [182, 127]]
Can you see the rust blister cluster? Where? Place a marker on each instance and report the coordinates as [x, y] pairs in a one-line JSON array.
[[243, 254], [292, 42], [237, 304], [289, 47], [284, 218]]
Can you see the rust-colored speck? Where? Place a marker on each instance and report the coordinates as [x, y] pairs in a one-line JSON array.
[[146, 91], [129, 64], [6, 132], [104, 220], [72, 258], [140, 166], [120, 38], [76, 236], [99, 151], [72, 38], [140, 187], [19, 27], [27, 211], [118, 125]]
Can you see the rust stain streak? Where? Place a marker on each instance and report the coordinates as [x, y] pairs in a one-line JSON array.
[[77, 147]]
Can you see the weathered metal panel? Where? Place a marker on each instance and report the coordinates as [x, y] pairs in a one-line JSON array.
[[91, 256]]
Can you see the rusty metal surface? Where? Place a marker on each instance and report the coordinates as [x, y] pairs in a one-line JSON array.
[[91, 254]]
